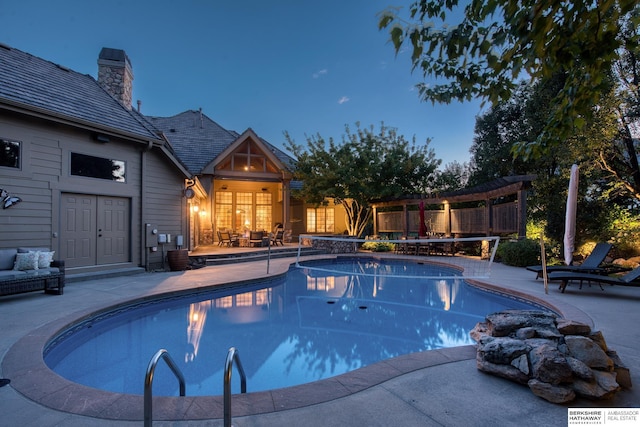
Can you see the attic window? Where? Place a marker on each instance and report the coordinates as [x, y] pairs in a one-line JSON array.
[[9, 153]]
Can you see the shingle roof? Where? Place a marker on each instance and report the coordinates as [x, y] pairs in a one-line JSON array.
[[42, 85], [34, 82], [197, 140]]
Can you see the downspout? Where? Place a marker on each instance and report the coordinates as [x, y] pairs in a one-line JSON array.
[[143, 209]]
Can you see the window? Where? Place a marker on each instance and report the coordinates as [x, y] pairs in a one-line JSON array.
[[97, 167], [263, 211], [224, 211], [9, 153], [320, 220], [244, 211]]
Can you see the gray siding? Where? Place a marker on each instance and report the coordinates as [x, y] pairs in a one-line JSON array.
[[44, 176], [163, 203]]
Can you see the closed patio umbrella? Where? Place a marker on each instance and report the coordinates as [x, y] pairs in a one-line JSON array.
[[423, 228], [570, 218]]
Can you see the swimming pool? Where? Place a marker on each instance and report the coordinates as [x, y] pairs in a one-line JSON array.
[[313, 324]]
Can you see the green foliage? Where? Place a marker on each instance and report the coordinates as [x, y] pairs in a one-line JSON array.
[[519, 253], [364, 166], [379, 246], [498, 41], [624, 231]]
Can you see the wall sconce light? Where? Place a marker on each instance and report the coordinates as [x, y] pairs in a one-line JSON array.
[[195, 208], [203, 213]]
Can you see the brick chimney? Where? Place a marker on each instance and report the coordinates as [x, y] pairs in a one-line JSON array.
[[115, 75]]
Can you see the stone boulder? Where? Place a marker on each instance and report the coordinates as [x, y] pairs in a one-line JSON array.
[[558, 359]]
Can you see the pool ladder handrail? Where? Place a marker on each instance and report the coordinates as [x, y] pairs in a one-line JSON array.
[[232, 355], [148, 382]]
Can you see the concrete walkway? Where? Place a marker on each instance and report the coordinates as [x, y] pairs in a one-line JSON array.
[[438, 388]]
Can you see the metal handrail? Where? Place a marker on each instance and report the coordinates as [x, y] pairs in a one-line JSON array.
[[232, 356], [148, 382]]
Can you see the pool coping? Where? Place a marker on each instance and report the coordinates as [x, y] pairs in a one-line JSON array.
[[24, 364]]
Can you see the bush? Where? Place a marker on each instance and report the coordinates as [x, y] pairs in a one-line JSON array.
[[379, 246], [519, 253]]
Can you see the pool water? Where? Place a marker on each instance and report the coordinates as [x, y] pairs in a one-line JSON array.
[[310, 325]]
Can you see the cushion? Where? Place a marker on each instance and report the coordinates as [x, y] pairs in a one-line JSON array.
[[45, 259], [7, 259], [26, 261], [33, 250]]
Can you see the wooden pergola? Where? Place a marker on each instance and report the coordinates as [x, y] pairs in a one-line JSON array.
[[500, 209]]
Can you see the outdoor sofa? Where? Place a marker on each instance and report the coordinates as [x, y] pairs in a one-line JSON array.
[[30, 269]]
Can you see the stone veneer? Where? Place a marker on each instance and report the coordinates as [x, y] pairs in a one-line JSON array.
[[331, 246], [558, 359], [115, 75]]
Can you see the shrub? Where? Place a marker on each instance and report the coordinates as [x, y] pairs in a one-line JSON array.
[[378, 246], [519, 253]]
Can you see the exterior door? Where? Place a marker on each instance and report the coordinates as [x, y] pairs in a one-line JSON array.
[[95, 230], [113, 230]]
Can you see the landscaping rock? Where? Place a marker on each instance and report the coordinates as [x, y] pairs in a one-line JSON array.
[[552, 393], [558, 359], [589, 352]]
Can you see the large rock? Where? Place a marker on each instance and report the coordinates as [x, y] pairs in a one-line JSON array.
[[603, 386], [552, 393], [507, 322], [501, 350], [571, 327], [549, 366], [588, 352], [558, 359]]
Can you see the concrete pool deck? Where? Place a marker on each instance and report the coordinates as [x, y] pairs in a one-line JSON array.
[[436, 388]]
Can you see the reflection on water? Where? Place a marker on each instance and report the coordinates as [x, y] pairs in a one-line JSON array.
[[310, 326]]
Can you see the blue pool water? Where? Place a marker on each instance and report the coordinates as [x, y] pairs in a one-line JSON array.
[[310, 325]]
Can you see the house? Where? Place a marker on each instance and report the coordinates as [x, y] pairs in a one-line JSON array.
[[109, 188], [97, 182]]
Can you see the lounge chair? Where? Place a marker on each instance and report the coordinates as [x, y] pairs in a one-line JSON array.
[[629, 279], [591, 264]]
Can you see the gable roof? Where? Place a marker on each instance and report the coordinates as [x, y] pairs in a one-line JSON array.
[[35, 86], [198, 140]]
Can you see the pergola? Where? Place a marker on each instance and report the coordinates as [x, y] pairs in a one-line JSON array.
[[495, 208]]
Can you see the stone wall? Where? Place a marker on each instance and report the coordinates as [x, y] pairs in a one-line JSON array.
[[556, 358], [331, 246]]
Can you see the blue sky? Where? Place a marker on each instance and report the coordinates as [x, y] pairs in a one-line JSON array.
[[305, 67]]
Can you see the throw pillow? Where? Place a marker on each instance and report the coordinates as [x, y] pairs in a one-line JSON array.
[[45, 259], [27, 261]]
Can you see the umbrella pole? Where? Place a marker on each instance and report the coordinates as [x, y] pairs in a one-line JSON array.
[[543, 257]]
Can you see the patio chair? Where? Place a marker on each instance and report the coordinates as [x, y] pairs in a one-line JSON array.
[[591, 264], [278, 237], [227, 239], [255, 238], [629, 279]]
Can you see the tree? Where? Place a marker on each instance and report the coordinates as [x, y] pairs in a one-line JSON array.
[[365, 166], [454, 176], [497, 42]]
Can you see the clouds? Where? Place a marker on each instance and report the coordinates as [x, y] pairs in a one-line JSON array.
[[320, 73], [323, 72]]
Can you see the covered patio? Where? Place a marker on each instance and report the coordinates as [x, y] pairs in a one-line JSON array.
[[495, 208]]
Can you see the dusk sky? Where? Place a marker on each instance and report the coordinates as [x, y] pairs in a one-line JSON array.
[[306, 67]]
